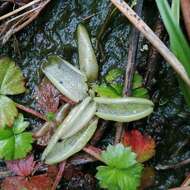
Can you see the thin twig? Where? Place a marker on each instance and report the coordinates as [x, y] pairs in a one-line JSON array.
[[59, 175], [186, 182], [154, 55], [30, 111], [130, 69], [19, 9], [132, 54], [180, 188], [119, 132], [154, 40], [173, 166], [93, 151], [81, 159], [99, 133]]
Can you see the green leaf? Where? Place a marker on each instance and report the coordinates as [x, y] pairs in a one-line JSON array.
[[66, 78], [140, 93], [11, 78], [113, 75], [69, 146], [51, 116], [87, 58], [20, 125], [8, 111], [14, 143], [77, 119], [179, 44], [122, 170], [176, 10], [104, 90], [137, 81], [137, 90], [123, 109], [118, 88]]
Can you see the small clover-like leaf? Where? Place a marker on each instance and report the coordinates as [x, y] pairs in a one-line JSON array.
[[122, 170], [11, 78], [14, 143], [8, 111]]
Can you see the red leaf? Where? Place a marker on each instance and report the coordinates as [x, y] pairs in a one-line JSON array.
[[47, 96], [22, 167], [40, 182], [142, 145]]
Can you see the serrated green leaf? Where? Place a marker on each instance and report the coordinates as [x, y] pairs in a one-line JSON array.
[[122, 171], [68, 147], [8, 111], [114, 156], [22, 144], [113, 75], [14, 143], [11, 78], [123, 109]]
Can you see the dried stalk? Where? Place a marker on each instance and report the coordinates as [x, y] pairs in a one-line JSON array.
[[186, 182], [153, 56], [19, 9], [130, 69], [30, 111], [59, 175], [173, 166], [154, 40], [93, 151], [18, 19], [180, 188]]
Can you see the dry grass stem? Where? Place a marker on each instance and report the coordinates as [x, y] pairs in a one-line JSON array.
[[16, 20]]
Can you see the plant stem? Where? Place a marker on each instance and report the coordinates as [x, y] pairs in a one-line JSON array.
[[130, 69], [59, 175], [153, 56], [93, 151], [186, 182], [99, 133], [81, 159], [180, 188], [132, 54], [173, 166], [30, 111], [154, 40]]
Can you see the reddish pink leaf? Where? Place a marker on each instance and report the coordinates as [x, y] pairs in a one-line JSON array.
[[47, 96], [143, 146], [40, 182], [22, 167]]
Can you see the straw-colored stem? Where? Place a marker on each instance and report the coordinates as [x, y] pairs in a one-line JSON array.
[[19, 9]]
